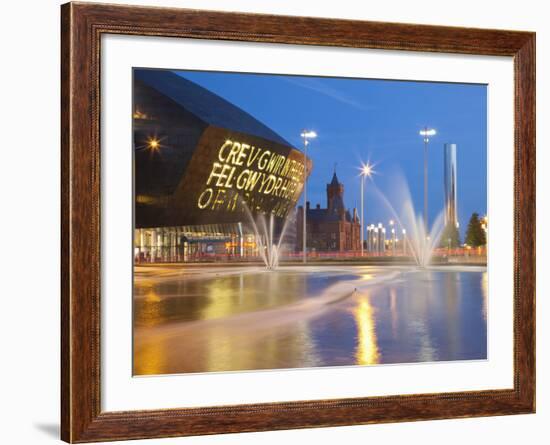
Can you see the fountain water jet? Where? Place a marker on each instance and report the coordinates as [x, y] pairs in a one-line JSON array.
[[421, 241], [268, 248]]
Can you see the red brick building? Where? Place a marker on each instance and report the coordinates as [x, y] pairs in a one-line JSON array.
[[332, 229]]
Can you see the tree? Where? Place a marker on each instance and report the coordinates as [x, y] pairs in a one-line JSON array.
[[450, 236], [475, 235]]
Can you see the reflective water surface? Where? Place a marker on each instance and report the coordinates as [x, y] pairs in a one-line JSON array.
[[232, 318]]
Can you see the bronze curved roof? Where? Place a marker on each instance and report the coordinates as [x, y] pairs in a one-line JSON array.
[[204, 104]]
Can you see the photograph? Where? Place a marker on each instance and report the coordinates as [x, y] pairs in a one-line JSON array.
[[275, 222], [285, 221]]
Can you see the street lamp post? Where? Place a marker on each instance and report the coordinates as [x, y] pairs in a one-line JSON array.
[[366, 171], [306, 135], [426, 133]]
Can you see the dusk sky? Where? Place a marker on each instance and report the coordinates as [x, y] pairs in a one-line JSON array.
[[360, 120]]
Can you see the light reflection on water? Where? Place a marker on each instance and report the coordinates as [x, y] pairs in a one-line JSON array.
[[367, 347], [291, 319]]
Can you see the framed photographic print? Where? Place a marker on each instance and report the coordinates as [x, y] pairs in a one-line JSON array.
[[275, 222]]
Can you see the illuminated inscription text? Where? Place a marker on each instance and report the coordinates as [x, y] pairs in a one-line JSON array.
[[266, 180]]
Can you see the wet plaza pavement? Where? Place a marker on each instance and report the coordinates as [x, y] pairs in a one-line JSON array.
[[216, 318]]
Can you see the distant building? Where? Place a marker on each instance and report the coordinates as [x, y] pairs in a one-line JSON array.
[[332, 229], [449, 167]]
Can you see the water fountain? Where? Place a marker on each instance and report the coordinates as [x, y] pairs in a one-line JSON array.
[[268, 248], [421, 240]]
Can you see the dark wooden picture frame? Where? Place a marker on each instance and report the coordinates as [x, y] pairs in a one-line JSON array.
[[82, 26]]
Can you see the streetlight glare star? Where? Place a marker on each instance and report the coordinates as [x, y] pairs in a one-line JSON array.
[[153, 143], [367, 170]]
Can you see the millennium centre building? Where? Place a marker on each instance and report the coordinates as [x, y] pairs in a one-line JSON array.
[[203, 170]]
